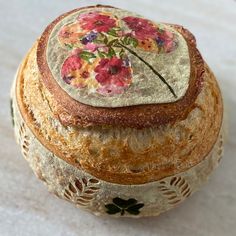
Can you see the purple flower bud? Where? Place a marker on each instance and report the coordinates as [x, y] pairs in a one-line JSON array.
[[84, 41], [160, 42], [68, 79], [126, 62], [89, 38]]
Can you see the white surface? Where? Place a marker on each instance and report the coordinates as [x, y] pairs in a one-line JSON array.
[[26, 207]]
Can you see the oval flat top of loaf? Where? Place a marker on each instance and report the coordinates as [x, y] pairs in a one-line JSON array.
[[101, 61]]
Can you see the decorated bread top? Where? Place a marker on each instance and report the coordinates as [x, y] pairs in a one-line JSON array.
[[109, 66]]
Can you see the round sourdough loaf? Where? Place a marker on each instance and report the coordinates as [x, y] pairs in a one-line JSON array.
[[117, 114]]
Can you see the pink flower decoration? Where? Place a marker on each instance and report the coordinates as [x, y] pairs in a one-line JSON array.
[[167, 40], [96, 21], [76, 52], [91, 47], [72, 63], [64, 33], [142, 28], [113, 75]]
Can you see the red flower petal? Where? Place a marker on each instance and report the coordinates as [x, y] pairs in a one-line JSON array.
[[72, 63], [142, 28], [96, 21], [112, 74]]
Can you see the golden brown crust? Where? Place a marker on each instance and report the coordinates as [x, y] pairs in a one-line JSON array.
[[72, 112], [124, 156]]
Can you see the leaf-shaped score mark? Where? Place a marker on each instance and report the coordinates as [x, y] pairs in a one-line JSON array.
[[82, 191], [87, 56], [24, 139], [121, 206], [175, 190], [12, 113]]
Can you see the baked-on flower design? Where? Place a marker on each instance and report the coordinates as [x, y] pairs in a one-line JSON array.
[[142, 28], [71, 64], [122, 206], [96, 21], [99, 46], [149, 36], [113, 74]]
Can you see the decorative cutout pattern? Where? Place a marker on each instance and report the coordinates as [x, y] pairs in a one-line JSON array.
[[81, 191], [23, 139], [12, 113], [220, 148], [122, 206], [87, 193], [175, 190]]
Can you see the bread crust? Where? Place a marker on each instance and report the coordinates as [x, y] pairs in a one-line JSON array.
[[72, 112], [144, 155], [92, 194]]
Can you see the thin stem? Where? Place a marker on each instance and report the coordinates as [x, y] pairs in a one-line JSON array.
[[151, 67]]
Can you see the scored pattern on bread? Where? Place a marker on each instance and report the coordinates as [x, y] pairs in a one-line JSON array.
[[82, 191], [65, 179], [23, 139], [175, 190], [220, 148]]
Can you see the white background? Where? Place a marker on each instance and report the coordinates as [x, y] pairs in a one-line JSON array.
[[26, 207]]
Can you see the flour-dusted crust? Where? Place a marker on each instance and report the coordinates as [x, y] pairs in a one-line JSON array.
[[71, 111], [97, 196]]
